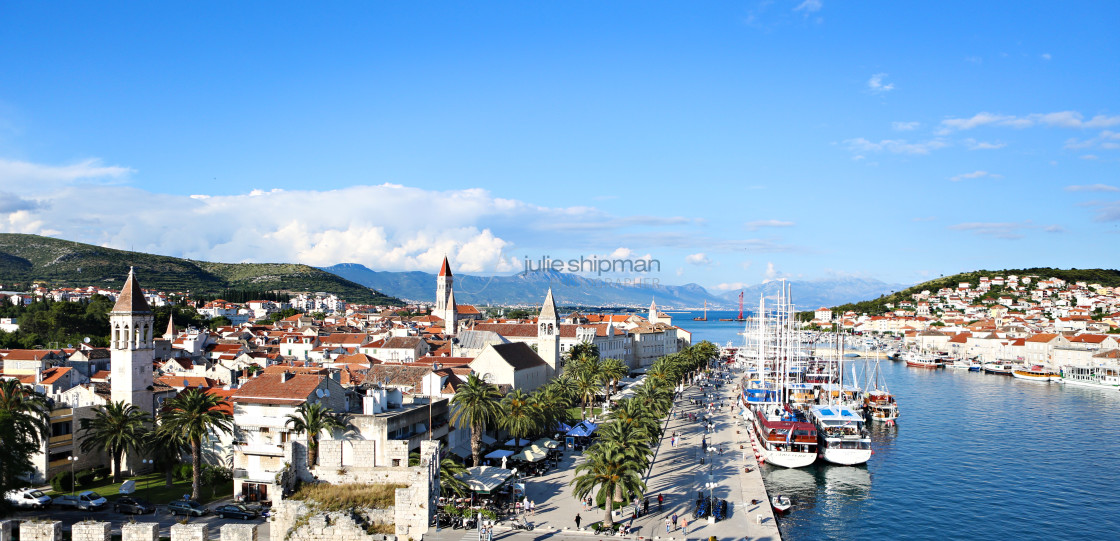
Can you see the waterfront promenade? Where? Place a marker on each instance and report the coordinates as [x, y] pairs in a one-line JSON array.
[[676, 473]]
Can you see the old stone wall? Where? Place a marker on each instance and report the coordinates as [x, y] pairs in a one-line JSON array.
[[296, 521], [130, 531]]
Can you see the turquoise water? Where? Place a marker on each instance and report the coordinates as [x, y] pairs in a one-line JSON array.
[[974, 456]]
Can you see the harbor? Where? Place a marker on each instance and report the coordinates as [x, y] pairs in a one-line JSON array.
[[973, 455]]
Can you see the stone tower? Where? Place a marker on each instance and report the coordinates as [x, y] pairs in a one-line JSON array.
[[131, 347], [445, 299], [548, 334]]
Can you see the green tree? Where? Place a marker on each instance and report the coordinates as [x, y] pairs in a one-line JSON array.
[[587, 383], [166, 448], [117, 428], [607, 470], [24, 424], [313, 418], [196, 415], [476, 403], [612, 371], [521, 414]]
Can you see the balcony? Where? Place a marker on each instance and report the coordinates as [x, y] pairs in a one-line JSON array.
[[261, 449], [59, 441]]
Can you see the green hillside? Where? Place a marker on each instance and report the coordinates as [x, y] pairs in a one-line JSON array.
[[1104, 277], [25, 259]]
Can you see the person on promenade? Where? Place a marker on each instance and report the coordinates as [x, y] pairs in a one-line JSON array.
[[577, 520], [660, 500], [668, 525], [684, 525], [674, 521], [532, 508], [645, 506]]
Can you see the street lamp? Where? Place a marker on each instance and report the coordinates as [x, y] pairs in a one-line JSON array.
[[148, 481], [71, 459], [711, 498]]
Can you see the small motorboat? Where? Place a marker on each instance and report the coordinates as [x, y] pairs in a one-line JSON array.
[[781, 503]]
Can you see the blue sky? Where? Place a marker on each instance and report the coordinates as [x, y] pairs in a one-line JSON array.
[[734, 142]]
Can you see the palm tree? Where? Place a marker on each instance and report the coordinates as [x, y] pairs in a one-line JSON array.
[[553, 404], [313, 418], [24, 424], [583, 350], [477, 404], [196, 414], [166, 448], [587, 383], [631, 412], [117, 428], [608, 470], [653, 397], [612, 371], [520, 414]]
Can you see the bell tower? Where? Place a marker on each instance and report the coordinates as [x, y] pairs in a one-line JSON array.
[[548, 334], [131, 347]]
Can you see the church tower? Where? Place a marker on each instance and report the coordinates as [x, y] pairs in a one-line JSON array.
[[131, 347], [445, 299], [548, 334]]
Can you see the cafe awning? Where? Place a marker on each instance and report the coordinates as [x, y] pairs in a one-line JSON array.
[[528, 455], [546, 443], [499, 453], [517, 442], [485, 479]]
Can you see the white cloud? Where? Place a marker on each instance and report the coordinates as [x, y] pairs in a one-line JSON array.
[[1061, 119], [1106, 139], [809, 6], [698, 259], [905, 126], [974, 174], [999, 230], [1092, 188], [875, 84], [894, 146], [621, 253], [732, 286], [973, 144], [1090, 157], [771, 272], [758, 224], [17, 171], [1046, 56], [1054, 229]]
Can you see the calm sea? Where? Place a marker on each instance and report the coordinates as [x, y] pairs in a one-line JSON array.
[[974, 456]]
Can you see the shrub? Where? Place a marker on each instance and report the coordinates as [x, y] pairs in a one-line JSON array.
[[85, 478], [62, 481], [330, 497], [102, 472], [184, 472]]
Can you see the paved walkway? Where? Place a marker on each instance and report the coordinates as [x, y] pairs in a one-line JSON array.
[[677, 474]]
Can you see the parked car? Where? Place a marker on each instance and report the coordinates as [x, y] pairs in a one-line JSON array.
[[188, 508], [86, 501], [236, 510], [128, 504], [28, 498]]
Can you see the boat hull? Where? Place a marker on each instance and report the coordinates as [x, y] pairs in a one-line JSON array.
[[847, 457], [1033, 376], [787, 459]]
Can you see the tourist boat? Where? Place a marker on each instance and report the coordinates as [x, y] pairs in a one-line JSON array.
[[959, 364], [923, 361], [841, 435], [1036, 373], [1091, 376], [781, 503], [781, 437], [880, 406], [975, 366], [1001, 368]]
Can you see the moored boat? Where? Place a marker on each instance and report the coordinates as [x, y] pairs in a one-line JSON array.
[[1036, 373], [841, 435], [922, 361], [781, 503], [1091, 376], [1000, 368], [880, 406]]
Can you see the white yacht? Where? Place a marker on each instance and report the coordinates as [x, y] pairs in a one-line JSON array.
[[841, 434]]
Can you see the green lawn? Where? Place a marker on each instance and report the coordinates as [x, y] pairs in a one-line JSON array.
[[575, 416], [151, 487]]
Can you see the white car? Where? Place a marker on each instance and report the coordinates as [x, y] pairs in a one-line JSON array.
[[29, 498]]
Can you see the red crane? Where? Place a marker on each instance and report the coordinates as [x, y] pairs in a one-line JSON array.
[[740, 306]]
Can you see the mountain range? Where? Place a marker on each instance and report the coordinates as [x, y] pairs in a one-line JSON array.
[[528, 288], [27, 259]]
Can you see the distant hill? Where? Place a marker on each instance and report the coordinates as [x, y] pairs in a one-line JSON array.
[[1104, 277], [528, 288], [60, 263]]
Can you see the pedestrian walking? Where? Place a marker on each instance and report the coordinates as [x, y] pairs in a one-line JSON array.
[[532, 508], [668, 525], [489, 533], [684, 525], [645, 506], [674, 521], [660, 500], [577, 520]]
